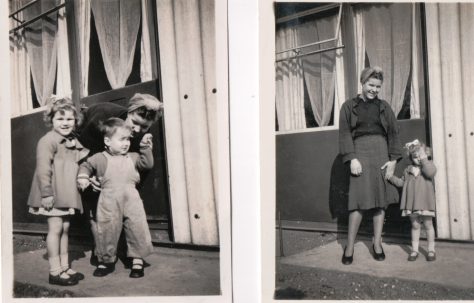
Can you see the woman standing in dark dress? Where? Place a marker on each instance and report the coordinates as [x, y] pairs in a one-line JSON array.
[[368, 139]]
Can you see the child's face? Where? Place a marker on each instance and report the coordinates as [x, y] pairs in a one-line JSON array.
[[118, 143], [415, 158], [371, 88], [64, 122]]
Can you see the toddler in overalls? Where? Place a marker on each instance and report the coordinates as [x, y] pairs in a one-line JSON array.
[[119, 202]]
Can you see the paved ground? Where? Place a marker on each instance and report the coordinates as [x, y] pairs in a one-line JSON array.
[[172, 272], [311, 268]]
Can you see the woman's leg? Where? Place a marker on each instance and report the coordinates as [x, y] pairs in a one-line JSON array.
[[55, 226], [355, 217], [378, 219], [415, 232], [430, 233]]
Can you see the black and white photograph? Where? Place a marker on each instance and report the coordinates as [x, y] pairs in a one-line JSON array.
[[372, 188], [118, 150]]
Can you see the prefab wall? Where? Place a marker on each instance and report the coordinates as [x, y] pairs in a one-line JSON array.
[[450, 40]]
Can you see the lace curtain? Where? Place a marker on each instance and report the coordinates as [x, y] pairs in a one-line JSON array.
[[19, 68], [41, 44], [117, 24]]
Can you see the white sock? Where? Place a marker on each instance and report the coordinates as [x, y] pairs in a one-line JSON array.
[[137, 263], [54, 266]]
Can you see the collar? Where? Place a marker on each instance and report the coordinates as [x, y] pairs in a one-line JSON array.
[[414, 170], [70, 141], [357, 100]]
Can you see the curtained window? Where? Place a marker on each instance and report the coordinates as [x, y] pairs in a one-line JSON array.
[[116, 46], [310, 88], [122, 44]]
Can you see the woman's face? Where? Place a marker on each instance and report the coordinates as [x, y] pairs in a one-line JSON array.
[[371, 88]]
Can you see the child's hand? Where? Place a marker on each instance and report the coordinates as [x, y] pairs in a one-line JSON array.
[[147, 141], [83, 183], [47, 202], [356, 167], [96, 183], [422, 154]]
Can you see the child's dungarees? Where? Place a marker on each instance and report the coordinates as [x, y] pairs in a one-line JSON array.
[[119, 200]]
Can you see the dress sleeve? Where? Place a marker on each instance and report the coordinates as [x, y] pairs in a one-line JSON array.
[[143, 160], [346, 142], [45, 151]]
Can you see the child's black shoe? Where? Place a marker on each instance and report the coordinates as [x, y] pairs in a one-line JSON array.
[[137, 271], [103, 269], [58, 280]]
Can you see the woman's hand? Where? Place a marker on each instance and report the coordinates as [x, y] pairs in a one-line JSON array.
[[389, 169], [147, 141], [47, 202], [356, 167]]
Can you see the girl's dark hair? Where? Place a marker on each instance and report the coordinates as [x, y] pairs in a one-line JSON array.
[[109, 127], [55, 104]]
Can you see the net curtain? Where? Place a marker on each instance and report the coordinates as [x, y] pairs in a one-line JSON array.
[[117, 23], [20, 68], [41, 44], [386, 35], [289, 82], [316, 71]]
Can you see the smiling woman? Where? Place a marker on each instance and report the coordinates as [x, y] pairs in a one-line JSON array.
[[368, 139]]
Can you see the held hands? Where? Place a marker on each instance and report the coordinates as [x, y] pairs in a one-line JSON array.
[[96, 183], [83, 183], [147, 141], [389, 169], [356, 167], [47, 202]]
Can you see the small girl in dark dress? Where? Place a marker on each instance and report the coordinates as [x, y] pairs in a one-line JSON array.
[[368, 140], [418, 196]]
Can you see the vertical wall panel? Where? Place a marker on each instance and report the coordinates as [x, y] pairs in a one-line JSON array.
[[467, 48], [182, 58], [172, 117], [447, 68], [437, 125]]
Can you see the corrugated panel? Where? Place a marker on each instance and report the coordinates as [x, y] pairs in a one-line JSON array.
[[186, 86], [450, 36]]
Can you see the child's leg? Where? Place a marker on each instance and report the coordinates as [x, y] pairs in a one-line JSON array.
[[64, 244], [53, 239], [109, 226], [137, 232], [430, 233], [415, 232]]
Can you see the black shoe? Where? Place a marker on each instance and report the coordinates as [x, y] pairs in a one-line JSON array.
[[380, 256], [103, 269], [57, 280], [76, 276], [137, 272], [347, 260]]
